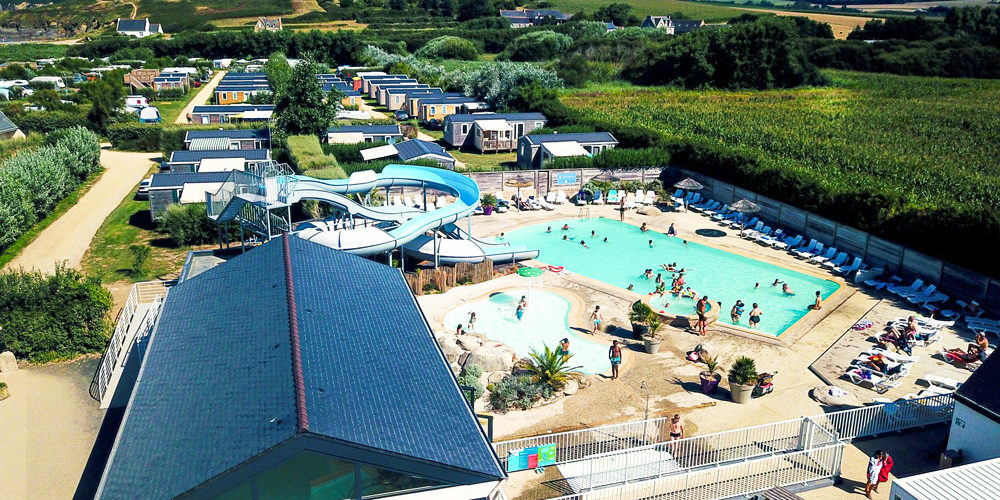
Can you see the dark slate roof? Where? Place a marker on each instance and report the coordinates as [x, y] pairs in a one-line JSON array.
[[243, 133], [409, 150], [232, 108], [982, 390], [414, 90], [5, 124], [177, 180], [496, 116], [196, 156], [369, 129], [217, 385], [687, 25], [578, 137], [131, 25], [447, 100], [237, 76]]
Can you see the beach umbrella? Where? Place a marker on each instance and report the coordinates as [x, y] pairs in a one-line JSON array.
[[744, 206], [688, 184], [519, 182]]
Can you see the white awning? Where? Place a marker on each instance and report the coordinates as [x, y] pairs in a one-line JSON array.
[[222, 164], [493, 125], [379, 152], [194, 192], [564, 148], [209, 144], [256, 115], [353, 115], [345, 137]]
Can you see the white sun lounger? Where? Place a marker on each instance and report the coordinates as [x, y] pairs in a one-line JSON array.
[[903, 291], [879, 383], [819, 259], [560, 197], [650, 197], [749, 232], [811, 251], [770, 239], [709, 205], [895, 357], [942, 381], [441, 202], [630, 201], [550, 197], [855, 265], [837, 260], [640, 199], [788, 242], [397, 201]]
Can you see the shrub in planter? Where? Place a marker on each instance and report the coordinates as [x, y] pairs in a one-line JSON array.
[[742, 377], [489, 202], [709, 379], [639, 316], [651, 341]]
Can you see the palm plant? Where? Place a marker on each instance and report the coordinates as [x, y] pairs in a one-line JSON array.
[[654, 324], [743, 371], [711, 364], [550, 368]]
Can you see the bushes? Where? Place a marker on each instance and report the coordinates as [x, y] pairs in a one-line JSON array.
[[449, 47], [33, 182], [188, 225], [53, 316], [134, 136], [469, 377], [497, 83], [538, 46], [48, 121], [350, 153], [514, 391], [307, 154]]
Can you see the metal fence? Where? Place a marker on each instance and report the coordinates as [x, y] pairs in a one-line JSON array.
[[141, 293], [879, 419], [579, 444]]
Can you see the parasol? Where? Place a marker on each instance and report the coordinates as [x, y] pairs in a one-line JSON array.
[[519, 182]]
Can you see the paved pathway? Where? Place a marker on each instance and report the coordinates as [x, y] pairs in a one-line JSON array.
[[68, 238], [201, 98]]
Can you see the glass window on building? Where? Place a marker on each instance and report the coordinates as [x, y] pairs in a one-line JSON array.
[[308, 476], [376, 481]]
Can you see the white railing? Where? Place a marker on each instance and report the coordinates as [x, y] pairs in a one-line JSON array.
[[879, 419], [141, 293], [579, 444], [729, 480]]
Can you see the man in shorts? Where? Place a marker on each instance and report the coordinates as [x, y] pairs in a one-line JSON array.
[[676, 432], [615, 355], [701, 307], [596, 318]]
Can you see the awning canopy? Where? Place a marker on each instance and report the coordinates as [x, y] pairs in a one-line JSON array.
[[345, 137], [565, 148], [194, 192], [209, 144], [255, 115], [222, 164], [493, 125], [379, 152]]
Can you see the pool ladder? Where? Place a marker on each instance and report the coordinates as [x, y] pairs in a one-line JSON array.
[[583, 213]]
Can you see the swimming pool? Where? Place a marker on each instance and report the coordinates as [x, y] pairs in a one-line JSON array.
[[545, 322], [721, 275]]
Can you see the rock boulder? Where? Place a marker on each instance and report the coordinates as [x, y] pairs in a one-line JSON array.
[[8, 363], [649, 210], [492, 358], [450, 348], [571, 387], [468, 342]]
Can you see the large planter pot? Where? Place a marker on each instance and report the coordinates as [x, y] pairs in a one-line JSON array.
[[639, 330], [740, 393], [652, 345], [487, 210], [710, 382]]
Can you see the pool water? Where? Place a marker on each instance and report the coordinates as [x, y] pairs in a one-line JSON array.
[[723, 276], [545, 322]]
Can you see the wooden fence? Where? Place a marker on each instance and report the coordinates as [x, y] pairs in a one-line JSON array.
[[445, 277]]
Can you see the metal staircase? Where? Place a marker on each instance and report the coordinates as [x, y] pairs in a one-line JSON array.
[[249, 199]]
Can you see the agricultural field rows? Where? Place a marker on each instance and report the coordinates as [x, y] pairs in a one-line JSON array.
[[930, 140]]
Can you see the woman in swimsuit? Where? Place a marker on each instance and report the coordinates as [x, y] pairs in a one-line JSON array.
[[671, 231], [819, 300], [565, 227], [755, 315], [472, 320], [564, 347], [786, 290]]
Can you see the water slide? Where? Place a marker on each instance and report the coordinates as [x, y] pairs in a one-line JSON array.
[[409, 234]]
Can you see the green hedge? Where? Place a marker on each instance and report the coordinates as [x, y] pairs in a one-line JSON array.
[[33, 181], [48, 121], [306, 153], [350, 153], [133, 136], [52, 316]]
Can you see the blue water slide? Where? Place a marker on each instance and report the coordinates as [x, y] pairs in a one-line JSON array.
[[413, 224]]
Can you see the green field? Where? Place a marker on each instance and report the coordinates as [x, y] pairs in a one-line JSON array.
[[930, 140], [643, 8]]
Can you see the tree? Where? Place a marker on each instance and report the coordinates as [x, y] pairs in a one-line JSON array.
[[538, 46], [140, 256], [397, 4], [48, 99], [447, 8], [303, 108], [346, 4], [471, 9], [278, 72], [449, 47], [617, 13], [107, 97]]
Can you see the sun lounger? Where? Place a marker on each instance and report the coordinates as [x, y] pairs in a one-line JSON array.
[[770, 239], [650, 197], [903, 291], [598, 198], [756, 233], [881, 384], [580, 199], [895, 357], [810, 251], [958, 360], [677, 195], [708, 205], [550, 197], [612, 196], [560, 197], [821, 258], [721, 210], [930, 300], [640, 199], [837, 260], [541, 203], [630, 201], [397, 201], [983, 325], [441, 202], [748, 231], [942, 381], [787, 242], [409, 201], [855, 265]]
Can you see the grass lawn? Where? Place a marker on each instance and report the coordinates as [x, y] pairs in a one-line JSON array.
[[642, 8], [475, 162], [130, 224], [170, 109], [15, 248]]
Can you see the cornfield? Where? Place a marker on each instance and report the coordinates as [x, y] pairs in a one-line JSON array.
[[931, 140]]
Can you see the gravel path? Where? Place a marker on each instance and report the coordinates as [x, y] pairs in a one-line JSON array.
[[68, 238], [201, 98]]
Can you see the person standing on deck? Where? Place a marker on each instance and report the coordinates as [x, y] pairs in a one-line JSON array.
[[883, 473], [676, 433], [615, 355], [874, 467], [595, 317], [701, 307]]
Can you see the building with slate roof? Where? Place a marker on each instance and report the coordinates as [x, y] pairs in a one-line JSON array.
[[463, 130], [265, 24], [263, 378], [229, 113], [168, 189], [354, 134], [139, 28], [530, 17], [236, 138], [191, 161], [8, 130], [976, 421], [659, 22], [417, 149]]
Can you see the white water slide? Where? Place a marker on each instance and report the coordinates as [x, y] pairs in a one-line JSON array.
[[423, 234]]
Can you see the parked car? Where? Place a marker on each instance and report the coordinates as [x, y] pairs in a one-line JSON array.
[[434, 124], [401, 115], [197, 83], [143, 191]]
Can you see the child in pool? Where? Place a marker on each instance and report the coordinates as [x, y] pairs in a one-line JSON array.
[[786, 289], [519, 312]]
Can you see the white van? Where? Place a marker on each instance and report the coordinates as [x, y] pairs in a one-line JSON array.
[[136, 101]]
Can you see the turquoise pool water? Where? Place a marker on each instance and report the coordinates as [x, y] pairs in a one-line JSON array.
[[721, 275], [545, 322]]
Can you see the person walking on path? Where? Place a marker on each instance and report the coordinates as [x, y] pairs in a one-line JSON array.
[[874, 468], [595, 318], [702, 320], [883, 473], [676, 433], [615, 355]]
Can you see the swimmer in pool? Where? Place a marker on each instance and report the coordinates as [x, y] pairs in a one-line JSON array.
[[519, 313], [593, 234], [472, 320], [565, 227], [583, 244], [605, 240], [648, 274], [643, 228], [523, 302], [565, 238], [459, 330], [650, 243], [685, 242], [737, 311], [756, 285], [786, 289], [549, 230], [629, 287], [776, 281], [755, 315]]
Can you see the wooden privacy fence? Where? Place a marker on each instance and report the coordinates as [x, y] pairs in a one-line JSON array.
[[874, 251], [446, 277]]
